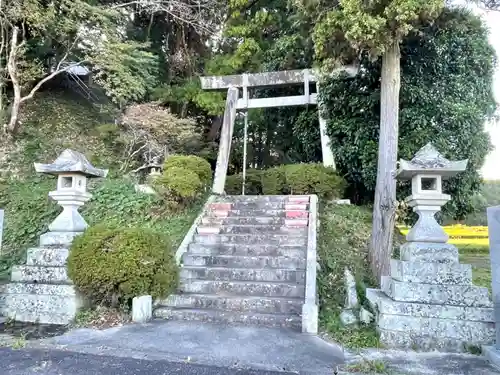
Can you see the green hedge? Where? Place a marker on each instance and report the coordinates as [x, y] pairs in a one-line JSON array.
[[290, 179], [111, 265]]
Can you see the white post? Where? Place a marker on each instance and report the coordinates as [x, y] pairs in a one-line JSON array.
[[328, 159], [245, 132]]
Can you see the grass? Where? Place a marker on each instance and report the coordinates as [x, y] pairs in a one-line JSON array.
[[368, 367], [343, 243]]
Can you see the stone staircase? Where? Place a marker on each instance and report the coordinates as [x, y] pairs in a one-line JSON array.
[[40, 291], [246, 263]]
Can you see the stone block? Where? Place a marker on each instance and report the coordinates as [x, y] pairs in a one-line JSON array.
[[412, 341], [429, 252], [348, 317], [242, 239], [220, 206], [262, 305], [260, 229], [457, 295], [310, 318], [464, 330], [299, 199], [208, 230], [247, 250], [365, 316], [58, 239], [387, 306], [230, 317], [46, 309], [42, 256], [431, 273], [40, 275], [295, 207], [242, 288], [242, 274], [492, 355], [142, 309], [294, 214], [285, 262], [300, 223], [40, 289]]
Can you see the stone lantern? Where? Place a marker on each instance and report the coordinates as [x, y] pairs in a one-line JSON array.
[[72, 170], [428, 300], [426, 171]]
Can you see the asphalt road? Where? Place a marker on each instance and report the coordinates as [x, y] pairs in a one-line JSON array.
[[58, 362]]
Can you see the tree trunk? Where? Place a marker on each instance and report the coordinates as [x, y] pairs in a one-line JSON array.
[[11, 127], [384, 209]]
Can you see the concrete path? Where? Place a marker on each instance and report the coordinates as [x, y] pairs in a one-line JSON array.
[[57, 362], [207, 344], [413, 363]]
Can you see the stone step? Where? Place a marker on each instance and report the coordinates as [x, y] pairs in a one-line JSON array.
[[398, 340], [263, 198], [254, 229], [429, 252], [264, 239], [244, 261], [243, 220], [258, 204], [292, 251], [42, 308], [263, 305], [229, 317], [431, 273], [455, 295], [41, 256], [40, 275], [39, 289], [438, 327], [242, 274], [385, 305], [242, 288], [258, 213]]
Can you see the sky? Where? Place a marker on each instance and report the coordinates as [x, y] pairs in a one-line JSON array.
[[491, 168]]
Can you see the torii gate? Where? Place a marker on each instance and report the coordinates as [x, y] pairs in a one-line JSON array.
[[281, 78]]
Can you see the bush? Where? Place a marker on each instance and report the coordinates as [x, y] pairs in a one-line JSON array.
[[178, 184], [303, 179], [253, 183], [274, 181], [192, 163], [111, 265]]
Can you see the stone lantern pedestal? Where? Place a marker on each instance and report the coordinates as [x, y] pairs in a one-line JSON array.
[[40, 291], [428, 300]]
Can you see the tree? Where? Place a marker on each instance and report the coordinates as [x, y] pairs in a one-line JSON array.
[[40, 41], [447, 71], [377, 28]]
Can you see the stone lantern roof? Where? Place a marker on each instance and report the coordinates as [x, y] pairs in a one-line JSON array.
[[71, 162], [429, 161]]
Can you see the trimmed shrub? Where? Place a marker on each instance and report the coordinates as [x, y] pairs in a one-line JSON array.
[[192, 163], [178, 184], [274, 181], [303, 179], [253, 183], [314, 179], [111, 265]]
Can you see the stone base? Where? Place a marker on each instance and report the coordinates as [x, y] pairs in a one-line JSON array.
[[41, 291], [492, 355], [58, 239], [423, 326]]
